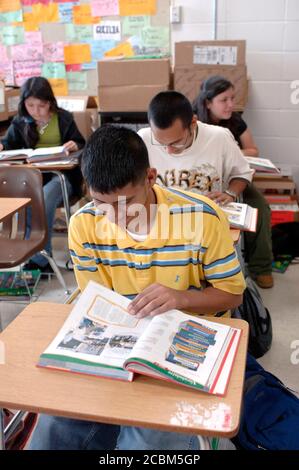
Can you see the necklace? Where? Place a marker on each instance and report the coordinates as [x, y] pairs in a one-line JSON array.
[[42, 128]]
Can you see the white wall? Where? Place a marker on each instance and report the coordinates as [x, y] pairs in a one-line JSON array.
[[271, 30]]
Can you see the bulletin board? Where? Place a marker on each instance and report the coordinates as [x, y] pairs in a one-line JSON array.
[[62, 40]]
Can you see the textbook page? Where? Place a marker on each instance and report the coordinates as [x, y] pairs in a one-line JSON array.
[[99, 329], [180, 346], [31, 153]]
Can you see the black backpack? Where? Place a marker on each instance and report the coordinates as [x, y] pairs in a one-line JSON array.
[[257, 315], [285, 239]]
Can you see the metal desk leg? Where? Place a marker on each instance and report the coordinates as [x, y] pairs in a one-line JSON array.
[[65, 195], [2, 439]]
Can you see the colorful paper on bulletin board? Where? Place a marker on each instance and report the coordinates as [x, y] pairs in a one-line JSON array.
[[11, 16], [107, 30], [98, 48], [121, 50], [12, 35], [77, 81], [53, 51], [28, 3], [25, 69], [30, 22], [10, 5], [26, 52], [73, 67], [7, 73], [78, 33], [46, 13], [89, 65], [132, 25], [3, 53], [53, 70], [155, 36], [59, 86], [137, 7], [104, 7], [82, 15], [66, 11], [77, 53]]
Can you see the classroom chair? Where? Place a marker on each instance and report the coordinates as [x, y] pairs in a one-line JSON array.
[[25, 182]]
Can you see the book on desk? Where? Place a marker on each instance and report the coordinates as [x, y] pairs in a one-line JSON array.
[[262, 165], [101, 338], [46, 155]]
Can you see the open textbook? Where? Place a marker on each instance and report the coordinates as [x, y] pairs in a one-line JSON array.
[[262, 165], [32, 155], [100, 338], [241, 216]]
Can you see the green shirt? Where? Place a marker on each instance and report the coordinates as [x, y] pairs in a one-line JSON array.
[[50, 137]]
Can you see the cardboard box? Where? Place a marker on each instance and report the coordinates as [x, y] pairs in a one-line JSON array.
[[84, 110], [129, 85], [217, 52], [187, 80], [12, 98], [133, 72], [128, 98]]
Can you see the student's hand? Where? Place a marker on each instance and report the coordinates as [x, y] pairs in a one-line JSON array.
[[156, 299], [70, 146], [220, 198], [1, 147]]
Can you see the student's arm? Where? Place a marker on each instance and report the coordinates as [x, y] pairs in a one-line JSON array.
[[220, 268], [248, 145], [13, 139], [72, 138]]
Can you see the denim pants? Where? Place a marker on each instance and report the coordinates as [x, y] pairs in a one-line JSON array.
[[55, 433], [53, 198]]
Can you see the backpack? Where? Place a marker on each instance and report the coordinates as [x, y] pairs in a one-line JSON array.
[[270, 415], [285, 239], [257, 315]]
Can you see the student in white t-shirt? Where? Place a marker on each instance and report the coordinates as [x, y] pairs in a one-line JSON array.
[[192, 155]]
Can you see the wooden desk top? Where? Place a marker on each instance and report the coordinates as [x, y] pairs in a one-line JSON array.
[[144, 402], [10, 205]]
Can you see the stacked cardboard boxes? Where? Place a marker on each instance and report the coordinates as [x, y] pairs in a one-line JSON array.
[[129, 85], [195, 61]]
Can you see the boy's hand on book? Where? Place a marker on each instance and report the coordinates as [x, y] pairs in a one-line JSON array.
[[156, 299], [220, 198]]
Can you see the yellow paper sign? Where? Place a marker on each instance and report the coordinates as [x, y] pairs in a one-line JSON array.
[[82, 15], [124, 49], [46, 13], [137, 7], [30, 23], [59, 86], [9, 5], [77, 54]]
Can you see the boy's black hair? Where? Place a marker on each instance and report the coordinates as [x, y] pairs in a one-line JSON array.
[[168, 106], [114, 157]]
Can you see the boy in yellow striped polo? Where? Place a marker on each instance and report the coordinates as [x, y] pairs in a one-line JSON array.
[[164, 248]]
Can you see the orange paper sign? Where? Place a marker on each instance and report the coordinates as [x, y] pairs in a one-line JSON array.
[[82, 15], [137, 7], [59, 86], [77, 54]]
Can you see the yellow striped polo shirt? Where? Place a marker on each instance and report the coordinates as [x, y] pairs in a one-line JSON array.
[[188, 247]]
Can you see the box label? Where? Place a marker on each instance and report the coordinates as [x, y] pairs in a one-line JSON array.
[[215, 55], [71, 105]]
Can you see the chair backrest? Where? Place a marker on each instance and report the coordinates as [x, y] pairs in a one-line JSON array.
[[25, 182]]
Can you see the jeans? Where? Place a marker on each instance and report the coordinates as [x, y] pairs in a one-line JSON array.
[[55, 433], [258, 245], [53, 198]]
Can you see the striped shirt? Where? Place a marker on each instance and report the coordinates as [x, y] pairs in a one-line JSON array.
[[188, 247]]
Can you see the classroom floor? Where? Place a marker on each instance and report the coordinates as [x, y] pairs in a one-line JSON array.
[[282, 302]]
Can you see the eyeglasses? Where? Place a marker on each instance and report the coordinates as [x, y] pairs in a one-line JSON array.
[[174, 146]]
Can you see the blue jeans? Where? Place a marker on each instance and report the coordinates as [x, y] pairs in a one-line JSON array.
[[53, 433], [53, 198]]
